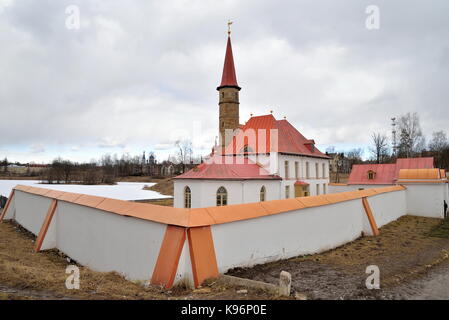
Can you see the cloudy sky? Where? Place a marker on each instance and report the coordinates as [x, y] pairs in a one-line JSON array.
[[137, 75]]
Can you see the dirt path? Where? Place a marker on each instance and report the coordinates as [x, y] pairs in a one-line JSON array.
[[433, 286]]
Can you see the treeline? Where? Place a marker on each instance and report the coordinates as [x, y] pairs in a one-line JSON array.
[[105, 171], [408, 141]]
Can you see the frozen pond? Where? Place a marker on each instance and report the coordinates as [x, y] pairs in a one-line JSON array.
[[121, 191]]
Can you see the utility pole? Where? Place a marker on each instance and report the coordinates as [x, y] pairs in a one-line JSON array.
[[393, 133]]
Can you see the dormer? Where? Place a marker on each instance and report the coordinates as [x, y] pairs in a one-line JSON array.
[[371, 175], [310, 144]]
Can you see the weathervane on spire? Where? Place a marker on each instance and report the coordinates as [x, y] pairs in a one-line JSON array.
[[229, 26]]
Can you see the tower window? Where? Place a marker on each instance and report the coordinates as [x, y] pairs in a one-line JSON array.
[[222, 197], [187, 197], [296, 170], [262, 193], [222, 94], [307, 170]]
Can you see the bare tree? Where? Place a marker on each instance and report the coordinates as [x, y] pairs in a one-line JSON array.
[[354, 156], [379, 147], [439, 149], [439, 141], [184, 152], [411, 139]]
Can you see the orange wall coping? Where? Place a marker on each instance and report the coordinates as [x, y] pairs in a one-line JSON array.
[[418, 174], [337, 184], [422, 181], [204, 216]]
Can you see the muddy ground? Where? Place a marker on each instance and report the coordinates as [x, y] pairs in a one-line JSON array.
[[405, 252], [413, 264]]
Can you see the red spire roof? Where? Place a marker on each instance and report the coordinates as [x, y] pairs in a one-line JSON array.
[[229, 79]]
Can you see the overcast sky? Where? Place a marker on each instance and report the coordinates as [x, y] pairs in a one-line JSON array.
[[138, 74]]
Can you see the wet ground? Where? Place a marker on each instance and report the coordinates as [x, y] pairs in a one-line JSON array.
[[412, 264]]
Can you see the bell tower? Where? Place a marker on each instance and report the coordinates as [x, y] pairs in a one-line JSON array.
[[228, 95]]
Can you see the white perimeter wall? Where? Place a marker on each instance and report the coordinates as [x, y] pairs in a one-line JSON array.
[[427, 199], [97, 239], [105, 241], [305, 231], [354, 187], [386, 207]]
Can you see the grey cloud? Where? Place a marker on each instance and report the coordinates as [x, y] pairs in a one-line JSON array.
[[139, 71]]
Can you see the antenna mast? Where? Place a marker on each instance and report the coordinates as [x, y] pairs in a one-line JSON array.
[[393, 133]]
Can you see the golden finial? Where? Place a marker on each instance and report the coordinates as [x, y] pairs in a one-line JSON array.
[[229, 26]]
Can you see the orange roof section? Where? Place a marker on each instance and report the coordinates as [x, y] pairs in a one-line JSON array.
[[204, 216], [420, 174]]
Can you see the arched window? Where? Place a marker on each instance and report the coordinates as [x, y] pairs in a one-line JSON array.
[[187, 197], [222, 197], [262, 193]]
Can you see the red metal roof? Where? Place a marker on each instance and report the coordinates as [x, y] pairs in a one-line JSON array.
[[228, 168], [301, 183], [257, 134], [386, 173], [229, 79]]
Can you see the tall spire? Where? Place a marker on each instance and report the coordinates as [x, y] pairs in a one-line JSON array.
[[229, 79]]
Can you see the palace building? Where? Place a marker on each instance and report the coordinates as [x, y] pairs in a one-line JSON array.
[[263, 159]]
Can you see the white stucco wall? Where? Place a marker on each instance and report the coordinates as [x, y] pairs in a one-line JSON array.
[[204, 192], [106, 241], [315, 178], [427, 199], [386, 207], [270, 238], [11, 210], [299, 232], [353, 187]]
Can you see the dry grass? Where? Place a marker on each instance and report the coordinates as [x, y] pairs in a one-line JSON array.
[[28, 275], [164, 187], [441, 230], [160, 202]]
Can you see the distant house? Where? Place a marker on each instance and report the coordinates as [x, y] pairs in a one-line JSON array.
[[377, 175]]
